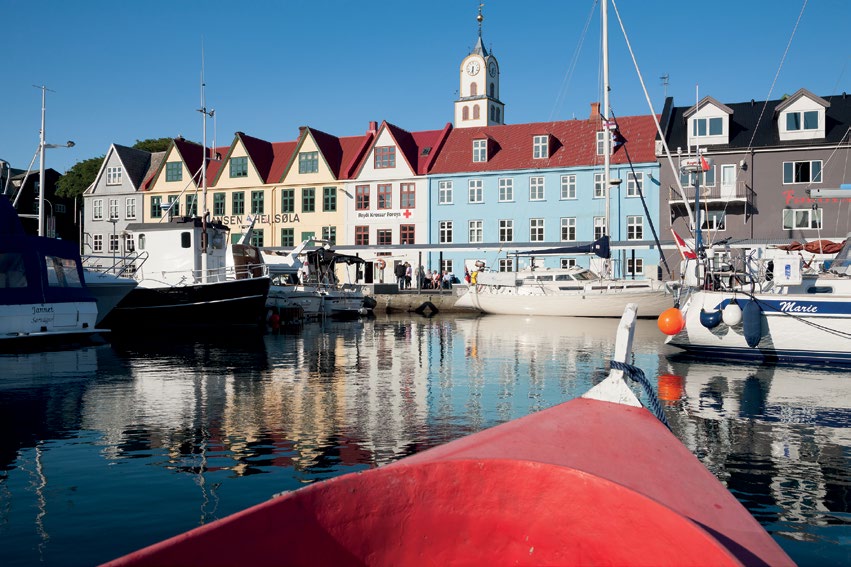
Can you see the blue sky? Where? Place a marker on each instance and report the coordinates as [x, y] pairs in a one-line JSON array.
[[128, 71]]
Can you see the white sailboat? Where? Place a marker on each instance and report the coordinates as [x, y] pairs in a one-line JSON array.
[[574, 292]]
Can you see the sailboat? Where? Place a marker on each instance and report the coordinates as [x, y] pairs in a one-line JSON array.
[[572, 292]]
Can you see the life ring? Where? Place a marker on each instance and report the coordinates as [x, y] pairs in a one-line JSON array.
[[381, 264]]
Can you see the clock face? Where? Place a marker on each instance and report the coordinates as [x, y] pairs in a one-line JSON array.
[[492, 69], [472, 67]]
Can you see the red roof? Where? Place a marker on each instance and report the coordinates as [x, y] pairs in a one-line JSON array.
[[573, 143]]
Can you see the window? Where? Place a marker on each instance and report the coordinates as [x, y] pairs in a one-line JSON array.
[[174, 171], [239, 167], [536, 230], [707, 178], [97, 209], [257, 205], [475, 191], [476, 113], [237, 203], [173, 206], [130, 208], [568, 186], [634, 184], [385, 196], [113, 176], [406, 234], [536, 188], [385, 156], [712, 220], [599, 186], [362, 197], [801, 218], [635, 267], [807, 120], [156, 207], [480, 150], [446, 266], [599, 227], [97, 243], [568, 229], [634, 228], [506, 264], [362, 235], [445, 229], [191, 206], [218, 204], [129, 243], [329, 233], [707, 126], [329, 199], [506, 189], [476, 231], [601, 143], [287, 200], [465, 113], [384, 236], [444, 193], [801, 172], [308, 200], [287, 237], [257, 237], [540, 147], [113, 209], [407, 196], [567, 263], [308, 162], [506, 230]]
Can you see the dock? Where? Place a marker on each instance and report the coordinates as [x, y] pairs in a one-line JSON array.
[[429, 302]]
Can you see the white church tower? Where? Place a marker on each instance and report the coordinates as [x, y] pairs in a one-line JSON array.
[[478, 103]]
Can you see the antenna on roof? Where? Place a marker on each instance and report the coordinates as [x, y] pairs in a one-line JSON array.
[[665, 82]]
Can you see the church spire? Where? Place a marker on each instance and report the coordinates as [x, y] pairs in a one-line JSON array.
[[480, 46]]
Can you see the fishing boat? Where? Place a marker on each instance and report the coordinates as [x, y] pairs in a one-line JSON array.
[[596, 480], [43, 293], [784, 313]]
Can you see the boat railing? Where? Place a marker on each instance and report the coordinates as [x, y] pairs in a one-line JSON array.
[[121, 266]]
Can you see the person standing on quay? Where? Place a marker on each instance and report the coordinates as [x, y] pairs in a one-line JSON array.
[[408, 274], [399, 271]]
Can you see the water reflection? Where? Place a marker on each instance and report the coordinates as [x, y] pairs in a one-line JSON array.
[[245, 416]]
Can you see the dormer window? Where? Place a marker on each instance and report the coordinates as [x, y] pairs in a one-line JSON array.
[[540, 147], [308, 162], [707, 126], [385, 157], [802, 120], [480, 150], [801, 117], [708, 123]]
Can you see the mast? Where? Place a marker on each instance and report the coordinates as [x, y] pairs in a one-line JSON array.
[[41, 167], [203, 208], [607, 139]]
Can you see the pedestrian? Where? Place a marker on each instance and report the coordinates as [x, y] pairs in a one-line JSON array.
[[420, 277], [408, 275], [399, 271]]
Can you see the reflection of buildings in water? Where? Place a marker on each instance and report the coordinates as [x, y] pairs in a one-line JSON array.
[[777, 435]]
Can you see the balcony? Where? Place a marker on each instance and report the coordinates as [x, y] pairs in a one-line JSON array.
[[738, 193]]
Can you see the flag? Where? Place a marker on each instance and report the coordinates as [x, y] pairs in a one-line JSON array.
[[617, 140], [686, 251], [704, 165]]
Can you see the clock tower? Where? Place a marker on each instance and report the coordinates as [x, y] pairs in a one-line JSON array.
[[478, 103]]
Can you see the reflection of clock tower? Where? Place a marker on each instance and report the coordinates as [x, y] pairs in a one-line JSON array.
[[478, 104]]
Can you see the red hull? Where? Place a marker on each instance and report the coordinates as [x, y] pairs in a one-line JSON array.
[[586, 482]]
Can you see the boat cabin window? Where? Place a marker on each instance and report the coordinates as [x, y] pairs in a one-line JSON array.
[[585, 276], [12, 270], [540, 278], [820, 289], [564, 278], [185, 240], [62, 272]]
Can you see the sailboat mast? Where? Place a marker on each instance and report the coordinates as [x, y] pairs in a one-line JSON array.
[[203, 208], [607, 138]]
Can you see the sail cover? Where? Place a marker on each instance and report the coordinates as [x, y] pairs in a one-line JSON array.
[[600, 247]]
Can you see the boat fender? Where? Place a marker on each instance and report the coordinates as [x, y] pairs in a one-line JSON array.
[[732, 314], [752, 323], [671, 321], [473, 277], [710, 319]]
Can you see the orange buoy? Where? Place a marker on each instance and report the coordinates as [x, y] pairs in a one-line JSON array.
[[671, 321], [275, 319], [670, 388]]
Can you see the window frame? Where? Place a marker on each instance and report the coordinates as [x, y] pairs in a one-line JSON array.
[[384, 157], [475, 191], [362, 197], [445, 192], [475, 231], [480, 151], [238, 167], [536, 230], [308, 162], [540, 147], [384, 196], [536, 188], [568, 229]]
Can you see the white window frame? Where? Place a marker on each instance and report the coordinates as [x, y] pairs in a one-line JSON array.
[[113, 175], [506, 264], [480, 151], [792, 217], [113, 242], [97, 243], [506, 189], [540, 147], [802, 120], [113, 209], [445, 231], [636, 269], [634, 227], [476, 231], [536, 230], [599, 227], [634, 184], [130, 208], [444, 192], [506, 230], [536, 188], [817, 178], [716, 221], [706, 124], [568, 187], [601, 142], [475, 191], [568, 229], [97, 209], [599, 186], [567, 263]]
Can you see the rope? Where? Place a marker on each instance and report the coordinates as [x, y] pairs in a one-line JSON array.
[[637, 375], [767, 307]]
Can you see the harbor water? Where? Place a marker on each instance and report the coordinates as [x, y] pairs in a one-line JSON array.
[[106, 449]]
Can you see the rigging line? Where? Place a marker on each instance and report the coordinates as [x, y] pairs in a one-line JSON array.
[[813, 324], [776, 75], [662, 138], [571, 69]]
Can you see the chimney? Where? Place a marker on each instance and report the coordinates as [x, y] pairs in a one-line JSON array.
[[373, 127], [595, 113]]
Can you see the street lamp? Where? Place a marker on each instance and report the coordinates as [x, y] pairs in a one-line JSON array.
[[41, 147]]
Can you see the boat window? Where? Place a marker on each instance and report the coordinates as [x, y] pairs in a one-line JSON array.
[[585, 276], [820, 289], [571, 287], [564, 278], [62, 272], [12, 270], [185, 240], [540, 278]]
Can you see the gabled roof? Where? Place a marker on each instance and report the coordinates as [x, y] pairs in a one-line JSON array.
[[747, 129], [706, 101], [134, 162], [802, 93], [260, 152], [418, 149], [282, 153], [341, 155], [573, 144], [191, 155]]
